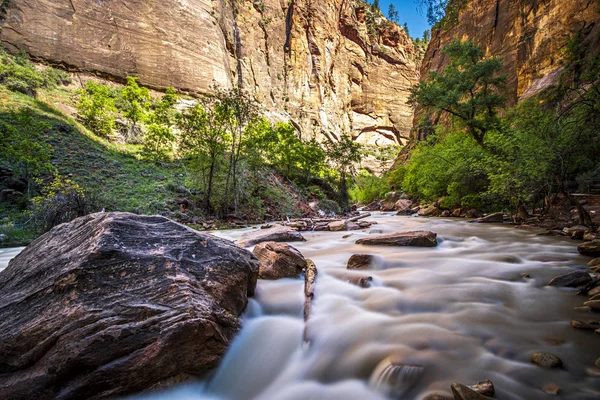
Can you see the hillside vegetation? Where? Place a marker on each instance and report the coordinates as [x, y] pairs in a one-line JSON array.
[[212, 161]]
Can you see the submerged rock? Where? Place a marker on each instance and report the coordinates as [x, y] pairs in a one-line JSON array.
[[360, 261], [277, 233], [485, 387], [546, 360], [571, 279], [278, 260], [115, 303], [415, 238], [396, 379], [594, 262], [586, 325], [591, 248], [551, 389], [462, 392]]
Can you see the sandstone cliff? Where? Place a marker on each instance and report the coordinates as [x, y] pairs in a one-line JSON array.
[[329, 65], [529, 37]]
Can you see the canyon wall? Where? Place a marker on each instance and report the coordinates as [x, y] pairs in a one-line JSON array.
[[327, 65], [528, 35]]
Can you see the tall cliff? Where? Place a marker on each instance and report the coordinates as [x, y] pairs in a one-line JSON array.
[[329, 65], [529, 36]]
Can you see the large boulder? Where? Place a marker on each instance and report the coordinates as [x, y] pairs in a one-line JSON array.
[[278, 260], [415, 238], [115, 303], [276, 233], [591, 248]]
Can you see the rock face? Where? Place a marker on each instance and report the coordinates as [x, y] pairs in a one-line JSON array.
[[328, 65], [132, 300], [528, 36], [416, 238], [277, 233], [279, 260]]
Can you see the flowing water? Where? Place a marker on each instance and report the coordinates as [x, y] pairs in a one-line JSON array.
[[460, 310]]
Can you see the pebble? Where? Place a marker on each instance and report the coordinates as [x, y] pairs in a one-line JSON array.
[[588, 325], [551, 388]]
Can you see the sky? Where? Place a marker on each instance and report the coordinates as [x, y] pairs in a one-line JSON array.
[[407, 12]]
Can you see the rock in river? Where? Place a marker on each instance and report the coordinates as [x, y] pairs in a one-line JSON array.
[[571, 279], [591, 248], [279, 260], [115, 303], [415, 238], [360, 261], [546, 360], [277, 233], [492, 218], [462, 392]]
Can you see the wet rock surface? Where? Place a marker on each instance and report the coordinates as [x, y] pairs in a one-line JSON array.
[[278, 260], [276, 233], [360, 261], [591, 248], [136, 301], [546, 360], [571, 279], [414, 238]]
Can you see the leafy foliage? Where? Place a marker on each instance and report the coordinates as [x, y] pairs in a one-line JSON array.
[[469, 89], [20, 75], [62, 200], [96, 108]]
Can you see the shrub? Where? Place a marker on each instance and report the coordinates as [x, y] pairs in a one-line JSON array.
[[329, 207], [368, 187], [96, 108], [61, 201]]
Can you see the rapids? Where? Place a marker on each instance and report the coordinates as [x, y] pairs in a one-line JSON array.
[[461, 310]]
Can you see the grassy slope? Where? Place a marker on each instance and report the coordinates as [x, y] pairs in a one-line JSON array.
[[114, 170]]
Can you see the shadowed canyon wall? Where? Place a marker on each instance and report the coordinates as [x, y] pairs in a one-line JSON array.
[[323, 64]]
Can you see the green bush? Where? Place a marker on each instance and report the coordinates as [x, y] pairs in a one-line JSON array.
[[20, 75], [368, 187], [96, 108], [329, 207]]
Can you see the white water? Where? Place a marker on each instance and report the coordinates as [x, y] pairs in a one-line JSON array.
[[460, 310]]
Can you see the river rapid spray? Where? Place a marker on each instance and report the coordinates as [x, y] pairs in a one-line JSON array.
[[461, 310]]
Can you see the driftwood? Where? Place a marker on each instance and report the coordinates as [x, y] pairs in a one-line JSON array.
[[310, 281], [310, 224]]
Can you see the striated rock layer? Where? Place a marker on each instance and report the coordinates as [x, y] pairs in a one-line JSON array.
[[312, 61], [115, 303], [529, 36]]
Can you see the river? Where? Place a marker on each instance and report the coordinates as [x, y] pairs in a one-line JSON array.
[[461, 310]]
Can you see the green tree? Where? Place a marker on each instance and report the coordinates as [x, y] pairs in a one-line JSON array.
[[236, 109], [375, 5], [136, 104], [159, 136], [342, 155], [23, 146], [204, 141], [469, 89], [405, 27], [393, 13], [96, 108]]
